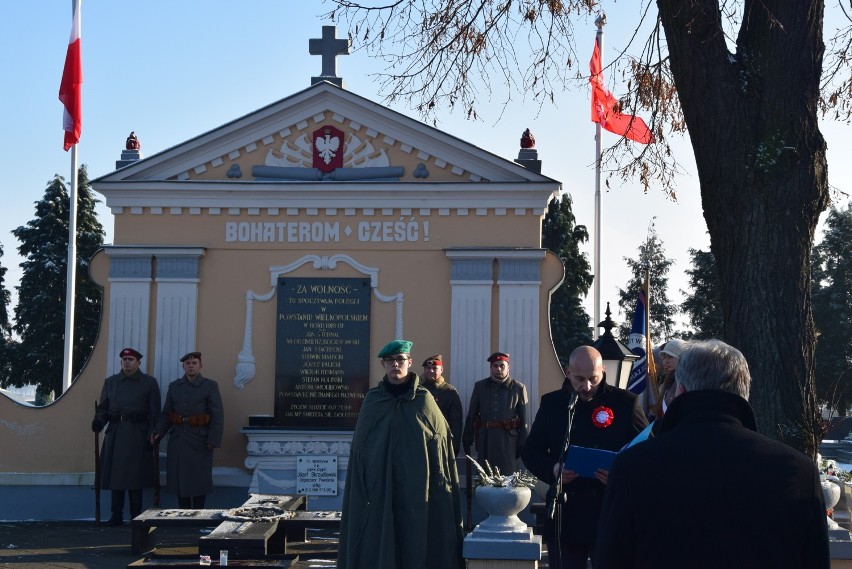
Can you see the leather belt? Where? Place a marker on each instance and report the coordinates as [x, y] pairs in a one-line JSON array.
[[128, 418], [192, 420], [508, 424]]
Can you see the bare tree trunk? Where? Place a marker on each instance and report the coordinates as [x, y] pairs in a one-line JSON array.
[[763, 173]]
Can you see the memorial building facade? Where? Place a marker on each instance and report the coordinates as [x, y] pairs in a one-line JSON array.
[[288, 246]]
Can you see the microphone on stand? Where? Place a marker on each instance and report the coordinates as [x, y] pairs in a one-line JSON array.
[[572, 400], [560, 495]]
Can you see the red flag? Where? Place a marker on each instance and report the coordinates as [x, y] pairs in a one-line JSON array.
[[71, 86], [605, 108]]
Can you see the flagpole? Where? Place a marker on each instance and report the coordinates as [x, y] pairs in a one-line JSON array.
[[71, 274], [69, 94], [649, 352], [599, 22]]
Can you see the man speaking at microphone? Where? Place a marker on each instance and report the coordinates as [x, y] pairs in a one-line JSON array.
[[606, 418]]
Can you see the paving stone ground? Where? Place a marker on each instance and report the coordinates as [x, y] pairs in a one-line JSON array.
[[83, 545]]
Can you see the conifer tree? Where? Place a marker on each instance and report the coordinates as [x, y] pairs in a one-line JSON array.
[[40, 313], [651, 254], [6, 342], [831, 275], [703, 304], [569, 323]]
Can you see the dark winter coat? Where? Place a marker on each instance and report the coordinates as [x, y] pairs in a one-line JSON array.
[[401, 505], [449, 402], [129, 406], [733, 498], [544, 446], [493, 401], [189, 462]]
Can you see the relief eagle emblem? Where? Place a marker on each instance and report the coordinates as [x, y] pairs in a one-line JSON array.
[[327, 149]]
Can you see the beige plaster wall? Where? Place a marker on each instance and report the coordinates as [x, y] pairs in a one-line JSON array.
[[429, 232], [58, 438]]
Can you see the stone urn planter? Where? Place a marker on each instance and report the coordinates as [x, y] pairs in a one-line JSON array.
[[831, 494], [502, 536], [502, 504]]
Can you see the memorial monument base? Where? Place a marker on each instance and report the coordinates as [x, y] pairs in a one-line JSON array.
[[277, 458]]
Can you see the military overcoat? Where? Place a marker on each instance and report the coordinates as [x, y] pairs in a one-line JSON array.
[[449, 402], [189, 463], [492, 402], [130, 405]]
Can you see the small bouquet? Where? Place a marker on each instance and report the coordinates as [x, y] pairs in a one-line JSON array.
[[489, 476]]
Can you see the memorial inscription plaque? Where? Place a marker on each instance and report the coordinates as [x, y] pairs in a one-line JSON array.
[[322, 359]]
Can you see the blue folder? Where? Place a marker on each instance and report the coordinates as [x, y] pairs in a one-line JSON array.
[[585, 461]]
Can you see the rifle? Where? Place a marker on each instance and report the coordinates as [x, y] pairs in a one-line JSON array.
[[475, 424], [469, 481], [156, 452], [97, 473]]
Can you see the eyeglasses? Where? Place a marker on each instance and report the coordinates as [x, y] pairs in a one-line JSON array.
[[401, 360]]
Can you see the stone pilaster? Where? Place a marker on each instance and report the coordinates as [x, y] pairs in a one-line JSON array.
[[472, 281], [177, 310], [519, 284], [130, 277]]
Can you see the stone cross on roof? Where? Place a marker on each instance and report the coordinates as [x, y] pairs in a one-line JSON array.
[[329, 47]]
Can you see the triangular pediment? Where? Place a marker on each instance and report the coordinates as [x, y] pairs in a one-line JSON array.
[[276, 143]]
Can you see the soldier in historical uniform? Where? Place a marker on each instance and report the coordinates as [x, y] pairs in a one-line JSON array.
[[497, 419], [445, 395], [128, 406], [194, 418]]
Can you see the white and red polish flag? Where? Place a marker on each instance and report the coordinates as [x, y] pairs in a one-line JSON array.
[[70, 90]]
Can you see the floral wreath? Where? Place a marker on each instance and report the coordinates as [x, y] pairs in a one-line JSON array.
[[602, 417]]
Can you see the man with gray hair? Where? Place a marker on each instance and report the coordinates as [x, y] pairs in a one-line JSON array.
[[708, 490]]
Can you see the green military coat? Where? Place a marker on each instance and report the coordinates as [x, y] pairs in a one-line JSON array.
[[401, 505]]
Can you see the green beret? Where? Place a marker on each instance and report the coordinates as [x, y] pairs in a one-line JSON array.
[[396, 347]]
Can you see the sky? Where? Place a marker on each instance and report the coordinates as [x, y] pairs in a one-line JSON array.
[[170, 71]]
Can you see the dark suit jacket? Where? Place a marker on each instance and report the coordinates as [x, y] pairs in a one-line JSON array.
[[710, 492], [545, 441]]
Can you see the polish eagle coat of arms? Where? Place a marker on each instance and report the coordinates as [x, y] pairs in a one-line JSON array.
[[327, 148]]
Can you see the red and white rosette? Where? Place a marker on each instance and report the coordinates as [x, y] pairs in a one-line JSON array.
[[602, 417]]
